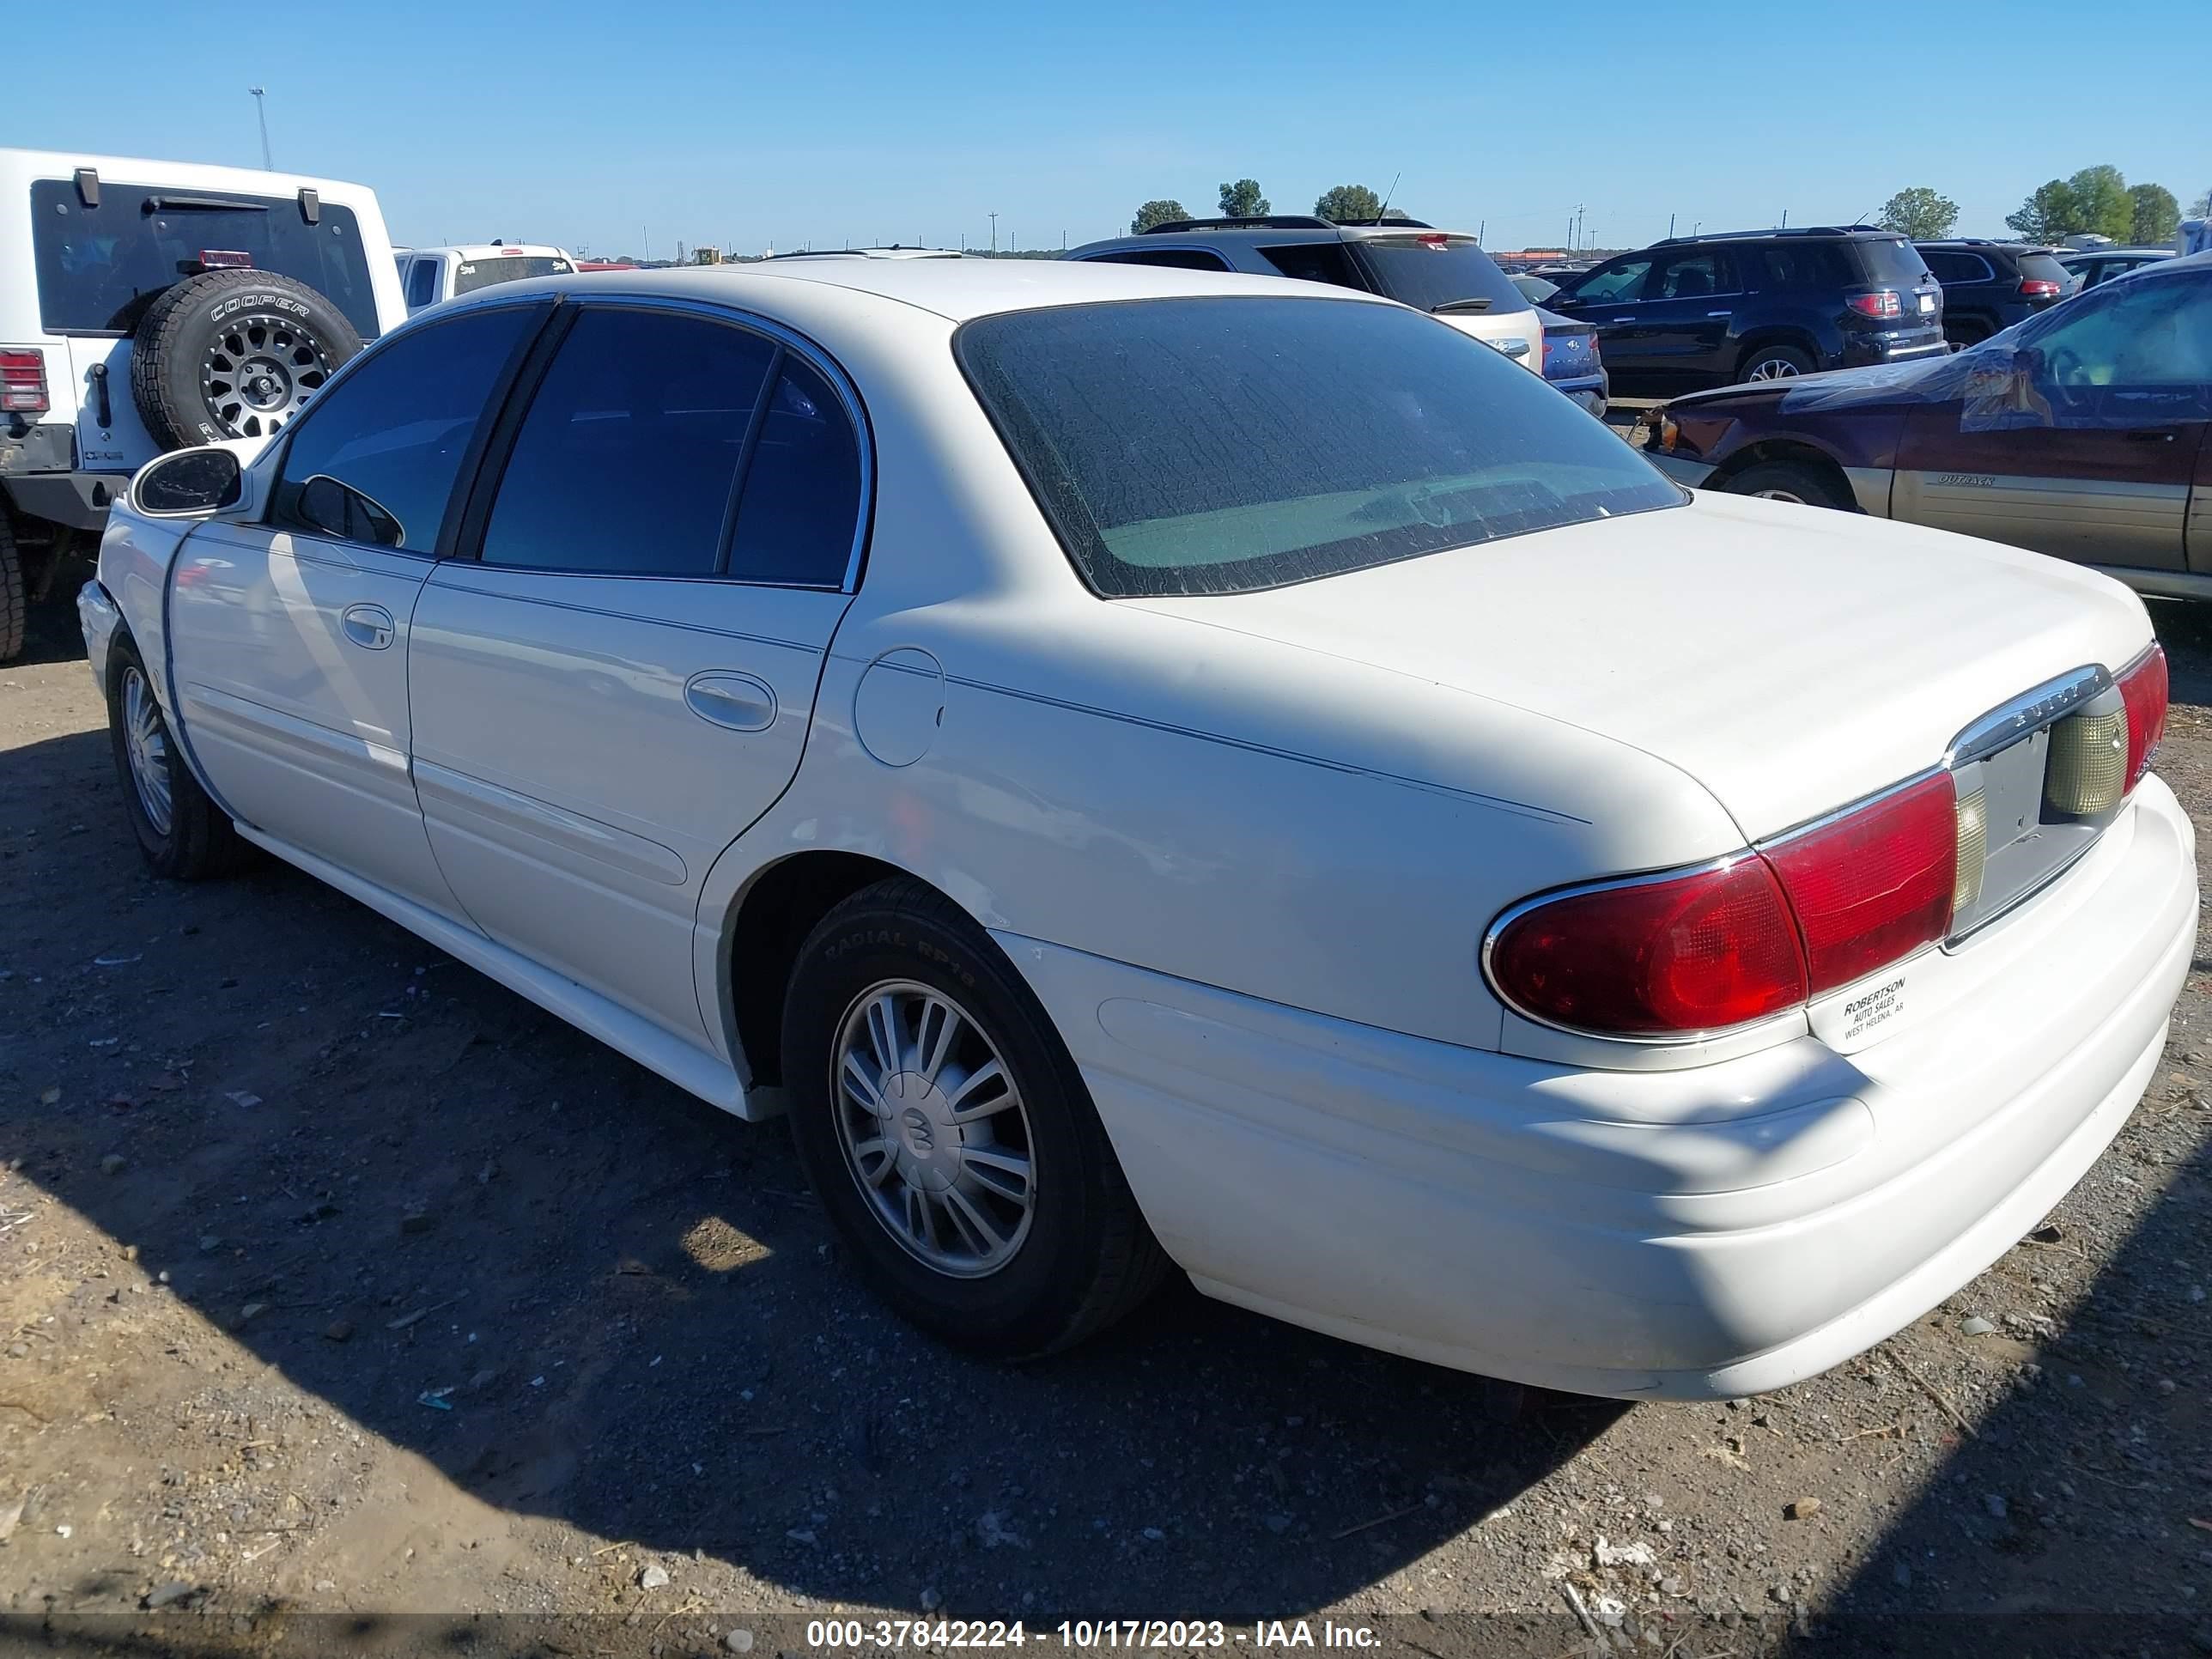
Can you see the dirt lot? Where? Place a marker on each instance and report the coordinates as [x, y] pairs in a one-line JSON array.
[[335, 1279]]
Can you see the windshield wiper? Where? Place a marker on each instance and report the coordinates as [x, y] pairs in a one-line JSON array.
[[1459, 305]]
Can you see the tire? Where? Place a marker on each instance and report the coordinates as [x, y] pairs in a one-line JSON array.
[[198, 840], [1964, 333], [1072, 1259], [14, 608], [1774, 363], [1791, 481], [234, 354]]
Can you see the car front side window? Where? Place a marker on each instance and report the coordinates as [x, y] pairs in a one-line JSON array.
[[1620, 282], [375, 458], [2142, 333]]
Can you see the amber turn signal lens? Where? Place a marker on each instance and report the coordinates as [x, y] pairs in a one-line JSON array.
[[2087, 769]]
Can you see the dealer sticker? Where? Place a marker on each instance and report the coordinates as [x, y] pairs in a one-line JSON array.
[[1861, 1015]]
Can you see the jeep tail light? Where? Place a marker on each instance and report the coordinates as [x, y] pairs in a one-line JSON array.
[[1880, 302], [2034, 288], [1680, 955], [23, 383], [2143, 687], [1696, 952], [1876, 883]]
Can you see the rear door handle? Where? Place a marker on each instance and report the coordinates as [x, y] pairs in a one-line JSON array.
[[1719, 313], [369, 626], [2152, 435], [724, 697], [1623, 320]]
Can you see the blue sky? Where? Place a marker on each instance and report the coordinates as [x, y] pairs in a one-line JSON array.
[[617, 126]]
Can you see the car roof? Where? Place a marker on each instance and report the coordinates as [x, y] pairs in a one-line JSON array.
[[494, 250], [132, 171], [1279, 230], [2135, 250], [1788, 233], [959, 289]]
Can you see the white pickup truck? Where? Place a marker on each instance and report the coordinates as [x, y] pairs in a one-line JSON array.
[[431, 276]]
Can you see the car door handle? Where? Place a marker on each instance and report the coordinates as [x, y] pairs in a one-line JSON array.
[[1719, 313], [369, 626], [1623, 320], [722, 698], [2152, 435]]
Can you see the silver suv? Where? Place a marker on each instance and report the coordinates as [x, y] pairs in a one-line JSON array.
[[1440, 272]]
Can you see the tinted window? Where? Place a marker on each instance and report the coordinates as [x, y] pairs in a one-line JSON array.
[[627, 458], [99, 268], [375, 458], [1954, 267], [1622, 280], [1315, 262], [1891, 262], [1428, 270], [2146, 333], [1691, 277], [474, 274], [422, 282], [1179, 259], [2042, 268], [1778, 265], [801, 500], [1215, 446]]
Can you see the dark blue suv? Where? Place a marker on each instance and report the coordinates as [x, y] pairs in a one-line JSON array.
[[1762, 305]]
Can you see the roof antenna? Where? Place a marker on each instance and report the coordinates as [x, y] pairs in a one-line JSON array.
[[1382, 212]]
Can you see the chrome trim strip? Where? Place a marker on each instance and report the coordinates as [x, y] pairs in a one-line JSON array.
[[1513, 913], [2029, 712]]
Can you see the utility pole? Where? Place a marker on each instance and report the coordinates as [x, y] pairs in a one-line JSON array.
[[995, 233], [261, 114], [1670, 226], [1785, 218]]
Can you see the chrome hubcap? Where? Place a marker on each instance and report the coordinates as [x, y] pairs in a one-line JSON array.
[[934, 1128], [261, 368], [146, 742], [1773, 368]]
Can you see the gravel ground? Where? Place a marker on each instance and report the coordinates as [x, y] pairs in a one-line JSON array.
[[335, 1279]]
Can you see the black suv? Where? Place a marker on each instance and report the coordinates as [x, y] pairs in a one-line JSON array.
[[1989, 285], [1758, 305]]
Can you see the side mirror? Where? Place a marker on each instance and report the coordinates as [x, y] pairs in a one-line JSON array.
[[189, 482]]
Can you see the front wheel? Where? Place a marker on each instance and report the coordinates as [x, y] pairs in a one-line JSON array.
[[949, 1134], [1790, 481], [183, 833]]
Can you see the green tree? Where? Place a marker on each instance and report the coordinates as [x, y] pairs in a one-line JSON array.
[[2156, 215], [2047, 216], [1242, 200], [1160, 212], [1919, 213], [2094, 201], [1346, 202], [2202, 207]]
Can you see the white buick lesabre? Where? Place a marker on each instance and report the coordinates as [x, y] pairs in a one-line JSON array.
[[1149, 766]]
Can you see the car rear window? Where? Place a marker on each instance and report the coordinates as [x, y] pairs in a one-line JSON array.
[[99, 267], [1434, 270], [1891, 262], [1195, 446], [2042, 268], [508, 268]]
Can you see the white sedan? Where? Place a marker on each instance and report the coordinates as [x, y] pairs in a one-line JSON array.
[[1153, 766]]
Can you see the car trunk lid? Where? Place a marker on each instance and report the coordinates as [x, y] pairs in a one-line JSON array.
[[1791, 660]]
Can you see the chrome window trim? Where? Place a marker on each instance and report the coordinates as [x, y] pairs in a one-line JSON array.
[[816, 358], [1513, 912]]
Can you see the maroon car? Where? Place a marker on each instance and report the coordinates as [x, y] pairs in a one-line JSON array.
[[2081, 432]]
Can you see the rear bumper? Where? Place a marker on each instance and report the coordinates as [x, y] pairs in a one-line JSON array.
[[78, 500], [1690, 1234], [1862, 349]]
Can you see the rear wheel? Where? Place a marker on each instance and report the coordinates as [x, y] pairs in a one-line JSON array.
[[183, 833], [1774, 363], [1966, 332], [1790, 481], [949, 1134]]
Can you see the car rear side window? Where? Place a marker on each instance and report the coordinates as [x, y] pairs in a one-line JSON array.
[[1782, 265], [1315, 262], [1220, 446], [626, 462], [801, 503], [1430, 270], [99, 267], [1174, 258], [375, 458], [1950, 266]]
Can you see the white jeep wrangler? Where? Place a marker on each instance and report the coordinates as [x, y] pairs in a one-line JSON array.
[[145, 306]]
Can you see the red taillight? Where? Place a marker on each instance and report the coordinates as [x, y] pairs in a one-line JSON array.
[[2142, 687], [1881, 302], [1769, 930], [1873, 885], [23, 383], [1688, 953], [2034, 288]]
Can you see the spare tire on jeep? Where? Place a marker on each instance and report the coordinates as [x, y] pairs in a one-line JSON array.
[[234, 354]]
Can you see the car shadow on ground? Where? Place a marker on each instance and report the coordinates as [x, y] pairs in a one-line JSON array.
[[582, 1294]]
